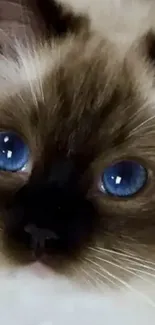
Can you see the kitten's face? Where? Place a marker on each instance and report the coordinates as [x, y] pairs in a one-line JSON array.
[[79, 107]]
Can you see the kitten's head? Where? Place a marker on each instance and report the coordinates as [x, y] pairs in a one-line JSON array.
[[77, 153]]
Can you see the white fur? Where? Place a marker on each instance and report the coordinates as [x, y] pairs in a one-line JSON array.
[[27, 298], [121, 20]]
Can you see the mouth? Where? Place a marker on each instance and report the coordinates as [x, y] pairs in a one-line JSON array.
[[39, 269], [40, 262]]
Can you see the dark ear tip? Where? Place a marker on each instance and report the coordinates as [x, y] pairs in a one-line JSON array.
[[60, 20], [151, 45], [148, 45]]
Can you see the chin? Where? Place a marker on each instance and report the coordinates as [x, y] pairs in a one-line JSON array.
[[34, 295]]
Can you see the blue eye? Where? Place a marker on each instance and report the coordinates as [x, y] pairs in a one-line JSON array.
[[124, 178], [14, 153]]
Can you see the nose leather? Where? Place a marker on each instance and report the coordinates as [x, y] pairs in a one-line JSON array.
[[51, 213], [39, 236]]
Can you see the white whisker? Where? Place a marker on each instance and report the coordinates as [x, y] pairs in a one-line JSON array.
[[121, 254], [142, 271], [105, 277], [133, 271], [125, 284], [144, 123]]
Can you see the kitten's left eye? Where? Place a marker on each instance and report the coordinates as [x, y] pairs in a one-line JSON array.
[[124, 178], [14, 153]]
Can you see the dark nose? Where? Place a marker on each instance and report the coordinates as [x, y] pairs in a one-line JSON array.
[[39, 236], [52, 213]]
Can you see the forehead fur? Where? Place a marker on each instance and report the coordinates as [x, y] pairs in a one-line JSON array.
[[77, 88]]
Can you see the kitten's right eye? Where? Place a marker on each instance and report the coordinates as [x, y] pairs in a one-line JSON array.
[[124, 178], [14, 153]]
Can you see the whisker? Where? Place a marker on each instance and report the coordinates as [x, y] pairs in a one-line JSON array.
[[125, 284], [114, 264], [128, 269], [109, 273], [138, 264], [142, 271], [105, 277], [136, 114], [120, 254], [105, 250], [144, 123], [134, 263], [133, 271], [88, 274], [140, 259]]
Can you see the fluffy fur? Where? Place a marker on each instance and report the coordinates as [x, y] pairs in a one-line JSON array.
[[86, 93]]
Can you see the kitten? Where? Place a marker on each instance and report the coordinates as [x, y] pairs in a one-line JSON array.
[[77, 168]]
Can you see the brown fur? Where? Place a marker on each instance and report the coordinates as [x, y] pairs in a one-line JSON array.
[[93, 101]]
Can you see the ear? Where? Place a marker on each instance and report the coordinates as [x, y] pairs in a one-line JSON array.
[[61, 20], [151, 45], [148, 46]]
